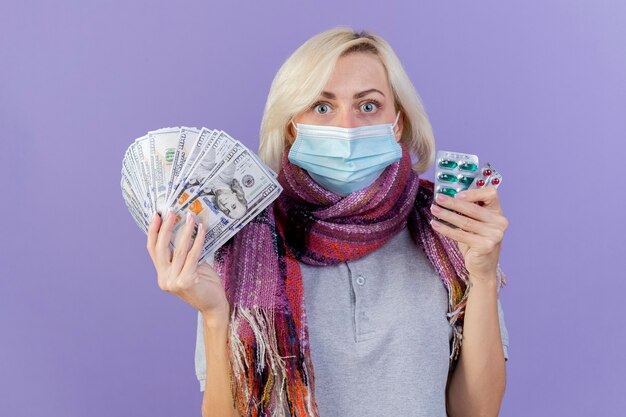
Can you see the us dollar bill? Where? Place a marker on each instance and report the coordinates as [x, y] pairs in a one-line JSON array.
[[205, 136], [162, 150], [186, 142], [202, 206], [141, 153], [212, 155], [131, 204], [242, 187], [131, 172]]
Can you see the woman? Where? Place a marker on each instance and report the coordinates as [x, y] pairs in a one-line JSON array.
[[343, 299]]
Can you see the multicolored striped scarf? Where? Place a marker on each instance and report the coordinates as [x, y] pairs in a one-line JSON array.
[[272, 371]]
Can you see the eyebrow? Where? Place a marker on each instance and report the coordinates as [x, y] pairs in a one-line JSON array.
[[357, 95]]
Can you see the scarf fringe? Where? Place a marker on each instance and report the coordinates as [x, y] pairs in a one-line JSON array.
[[457, 312], [282, 383]]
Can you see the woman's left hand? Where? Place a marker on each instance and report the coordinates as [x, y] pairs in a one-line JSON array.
[[480, 228]]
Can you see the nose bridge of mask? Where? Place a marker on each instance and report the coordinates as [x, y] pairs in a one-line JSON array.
[[347, 130]]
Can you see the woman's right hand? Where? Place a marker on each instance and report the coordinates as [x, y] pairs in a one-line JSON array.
[[178, 271]]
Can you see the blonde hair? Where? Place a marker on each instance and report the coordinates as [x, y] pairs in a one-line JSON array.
[[302, 78]]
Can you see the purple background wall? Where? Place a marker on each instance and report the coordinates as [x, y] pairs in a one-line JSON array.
[[537, 88]]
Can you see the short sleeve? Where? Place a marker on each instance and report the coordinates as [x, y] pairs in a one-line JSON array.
[[504, 334], [200, 359]]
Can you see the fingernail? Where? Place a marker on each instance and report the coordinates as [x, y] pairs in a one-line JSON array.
[[434, 223], [440, 197], [153, 217], [435, 209], [189, 218], [169, 213], [461, 195]]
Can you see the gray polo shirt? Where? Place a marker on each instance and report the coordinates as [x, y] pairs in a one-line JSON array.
[[379, 336]]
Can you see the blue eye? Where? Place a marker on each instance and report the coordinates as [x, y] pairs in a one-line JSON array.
[[369, 107], [322, 108]]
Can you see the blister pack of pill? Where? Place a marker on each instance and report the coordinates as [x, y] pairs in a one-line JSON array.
[[487, 176], [456, 172]]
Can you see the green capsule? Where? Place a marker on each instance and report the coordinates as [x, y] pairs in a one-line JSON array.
[[448, 177], [448, 191], [467, 181], [446, 163], [468, 166]]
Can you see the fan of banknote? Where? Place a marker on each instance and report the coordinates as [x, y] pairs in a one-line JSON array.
[[204, 172]]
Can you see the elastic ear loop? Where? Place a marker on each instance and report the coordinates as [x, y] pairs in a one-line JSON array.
[[393, 126], [295, 127]]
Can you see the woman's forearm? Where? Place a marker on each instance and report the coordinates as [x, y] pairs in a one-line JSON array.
[[218, 399], [477, 384]]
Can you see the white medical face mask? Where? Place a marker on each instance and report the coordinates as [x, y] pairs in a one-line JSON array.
[[345, 160]]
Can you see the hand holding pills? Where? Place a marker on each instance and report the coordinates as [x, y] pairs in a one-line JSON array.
[[477, 229]]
